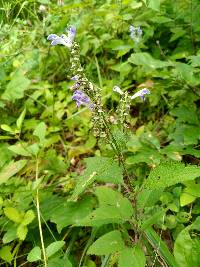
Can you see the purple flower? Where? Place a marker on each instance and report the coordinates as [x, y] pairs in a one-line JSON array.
[[82, 99], [135, 33], [63, 39], [141, 94], [74, 78]]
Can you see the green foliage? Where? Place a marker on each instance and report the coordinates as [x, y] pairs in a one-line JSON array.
[[113, 208], [170, 173], [106, 244], [132, 257]]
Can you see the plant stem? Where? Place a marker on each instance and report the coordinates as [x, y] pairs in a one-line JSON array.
[[39, 218]]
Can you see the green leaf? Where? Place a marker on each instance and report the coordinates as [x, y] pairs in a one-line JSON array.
[[5, 254], [7, 128], [99, 169], [65, 213], [145, 59], [19, 149], [57, 262], [11, 169], [170, 173], [186, 249], [130, 257], [40, 132], [22, 231], [16, 87], [34, 254], [113, 208], [107, 244], [13, 214], [10, 235], [154, 4], [54, 247], [20, 119], [28, 217]]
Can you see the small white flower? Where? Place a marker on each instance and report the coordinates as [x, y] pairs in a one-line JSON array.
[[141, 94], [42, 8], [118, 90]]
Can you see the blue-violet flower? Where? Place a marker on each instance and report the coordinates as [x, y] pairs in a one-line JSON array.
[[63, 39], [135, 33], [141, 93], [82, 99]]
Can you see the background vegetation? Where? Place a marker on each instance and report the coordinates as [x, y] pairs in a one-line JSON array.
[[48, 153]]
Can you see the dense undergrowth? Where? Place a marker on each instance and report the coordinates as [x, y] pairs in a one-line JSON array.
[[127, 195]]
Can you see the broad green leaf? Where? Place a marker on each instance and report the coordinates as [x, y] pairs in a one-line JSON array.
[[187, 250], [16, 87], [13, 214], [40, 131], [99, 169], [130, 257], [145, 59], [20, 150], [11, 169], [22, 231], [34, 254], [54, 247], [57, 262], [20, 119], [65, 213], [10, 235], [155, 218], [5, 254], [107, 244], [170, 173], [28, 217], [185, 72], [113, 208], [154, 4]]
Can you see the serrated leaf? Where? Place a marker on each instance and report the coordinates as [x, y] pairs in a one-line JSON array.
[[13, 214], [40, 131], [113, 208], [5, 254], [170, 173], [28, 217], [22, 231], [145, 59], [54, 247], [11, 169], [107, 244], [34, 254], [16, 87], [130, 257], [99, 169], [186, 249], [66, 213]]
